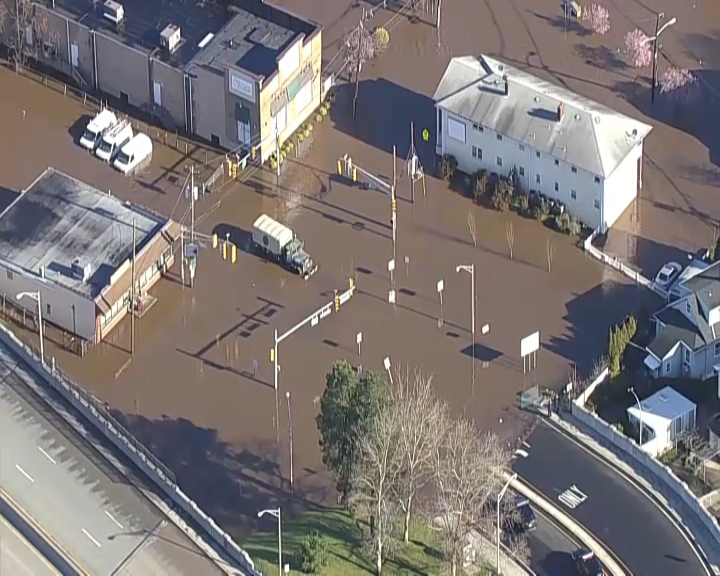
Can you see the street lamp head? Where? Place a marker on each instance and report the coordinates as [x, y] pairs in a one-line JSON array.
[[386, 363], [672, 21]]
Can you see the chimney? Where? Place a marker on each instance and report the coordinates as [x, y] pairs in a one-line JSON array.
[[560, 111], [507, 85]]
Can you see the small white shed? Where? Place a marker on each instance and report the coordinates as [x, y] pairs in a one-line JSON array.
[[665, 416]]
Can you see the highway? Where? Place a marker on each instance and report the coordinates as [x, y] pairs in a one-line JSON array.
[[90, 511], [551, 548], [18, 556], [606, 504]]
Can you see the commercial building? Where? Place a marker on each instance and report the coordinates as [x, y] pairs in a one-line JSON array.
[[73, 244], [496, 117], [226, 72]]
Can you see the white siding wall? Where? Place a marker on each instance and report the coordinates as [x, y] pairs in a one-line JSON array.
[[60, 299], [621, 187], [587, 191]]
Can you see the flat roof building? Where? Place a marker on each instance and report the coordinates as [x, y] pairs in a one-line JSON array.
[[73, 244]]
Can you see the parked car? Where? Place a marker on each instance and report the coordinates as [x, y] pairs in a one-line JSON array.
[[586, 563], [668, 274]]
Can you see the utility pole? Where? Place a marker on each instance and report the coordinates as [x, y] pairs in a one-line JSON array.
[[655, 58], [412, 162], [277, 152], [437, 22], [393, 197], [192, 203], [358, 64], [132, 295]]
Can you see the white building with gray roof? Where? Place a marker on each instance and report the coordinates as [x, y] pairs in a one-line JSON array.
[[496, 117], [73, 244]]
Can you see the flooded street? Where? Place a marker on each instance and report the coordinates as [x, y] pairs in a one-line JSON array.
[[190, 391]]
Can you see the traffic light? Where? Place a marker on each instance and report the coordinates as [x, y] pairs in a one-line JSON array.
[[272, 354], [354, 174], [394, 205], [351, 281], [340, 166], [229, 166], [253, 152], [337, 303], [234, 170], [224, 250]]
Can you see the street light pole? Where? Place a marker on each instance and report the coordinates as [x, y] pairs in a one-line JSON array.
[[277, 514], [654, 40], [632, 391], [36, 296], [499, 500], [470, 268], [290, 431]]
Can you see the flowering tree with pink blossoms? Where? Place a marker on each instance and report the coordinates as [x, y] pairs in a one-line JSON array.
[[638, 48], [597, 18], [679, 84]]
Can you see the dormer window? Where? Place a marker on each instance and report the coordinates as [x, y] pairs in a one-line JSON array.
[[688, 309]]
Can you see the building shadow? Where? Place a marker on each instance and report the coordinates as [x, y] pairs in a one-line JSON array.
[[7, 197], [384, 113], [697, 116], [589, 317], [602, 57], [560, 22], [240, 237]]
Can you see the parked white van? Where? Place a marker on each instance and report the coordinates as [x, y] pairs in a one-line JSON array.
[[113, 140], [97, 128], [135, 155]]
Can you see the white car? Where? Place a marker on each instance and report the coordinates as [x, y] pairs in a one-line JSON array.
[[668, 274]]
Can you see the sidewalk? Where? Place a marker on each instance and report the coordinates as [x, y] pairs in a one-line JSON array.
[[648, 481]]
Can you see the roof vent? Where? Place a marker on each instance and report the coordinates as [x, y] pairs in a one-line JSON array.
[[81, 270], [597, 119], [507, 85], [170, 38], [113, 11], [577, 116], [536, 99]]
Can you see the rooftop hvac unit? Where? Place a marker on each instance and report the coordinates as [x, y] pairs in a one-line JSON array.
[[113, 11], [81, 270], [170, 37]]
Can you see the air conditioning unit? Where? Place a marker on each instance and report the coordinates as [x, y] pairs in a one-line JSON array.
[[170, 37], [81, 270], [113, 11]]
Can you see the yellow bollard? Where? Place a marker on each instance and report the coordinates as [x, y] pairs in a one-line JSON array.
[[224, 250], [215, 241], [340, 170], [233, 253]]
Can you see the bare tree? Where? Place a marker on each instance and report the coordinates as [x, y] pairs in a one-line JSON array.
[[374, 478], [638, 47], [679, 84], [550, 252], [510, 236], [24, 28], [361, 45], [472, 225], [422, 418], [597, 18], [468, 471]]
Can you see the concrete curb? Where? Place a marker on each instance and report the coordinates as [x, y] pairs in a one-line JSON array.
[[599, 549], [49, 540], [637, 478]]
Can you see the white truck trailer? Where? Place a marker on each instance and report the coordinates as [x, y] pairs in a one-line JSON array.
[[277, 242]]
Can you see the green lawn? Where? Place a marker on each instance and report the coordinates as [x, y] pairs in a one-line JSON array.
[[419, 557]]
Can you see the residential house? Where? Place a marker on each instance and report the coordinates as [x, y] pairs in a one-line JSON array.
[[226, 72], [496, 117], [687, 337]]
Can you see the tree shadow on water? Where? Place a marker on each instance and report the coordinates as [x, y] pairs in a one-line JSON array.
[[384, 113]]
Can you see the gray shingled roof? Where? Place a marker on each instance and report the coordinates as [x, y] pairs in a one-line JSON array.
[[590, 136], [706, 286]]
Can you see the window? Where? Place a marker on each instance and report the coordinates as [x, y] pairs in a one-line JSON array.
[[479, 150], [573, 194], [596, 203], [668, 367], [537, 178], [10, 275], [537, 154], [688, 309], [557, 187], [522, 147], [686, 354], [474, 151], [303, 97], [717, 349], [499, 137], [478, 127], [597, 179], [573, 170], [48, 309], [521, 171], [456, 130], [557, 162], [499, 161], [279, 121]]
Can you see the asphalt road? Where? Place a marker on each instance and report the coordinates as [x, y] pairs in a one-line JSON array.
[[18, 556], [89, 509], [616, 512], [550, 549]]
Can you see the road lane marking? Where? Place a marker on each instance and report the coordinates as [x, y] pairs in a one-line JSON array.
[[526, 445], [113, 519], [24, 473], [47, 455], [91, 538], [572, 497]]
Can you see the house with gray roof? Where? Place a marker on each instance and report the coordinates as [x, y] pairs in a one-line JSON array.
[[687, 337], [494, 116]]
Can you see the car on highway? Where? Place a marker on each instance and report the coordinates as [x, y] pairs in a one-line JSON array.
[[587, 563], [668, 274], [522, 519]]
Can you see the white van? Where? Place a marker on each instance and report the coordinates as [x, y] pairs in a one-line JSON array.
[[113, 140], [135, 155], [96, 129]]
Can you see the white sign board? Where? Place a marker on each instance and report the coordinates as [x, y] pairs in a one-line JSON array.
[[358, 338], [440, 285], [391, 296], [530, 344], [485, 329], [391, 265], [241, 86]]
